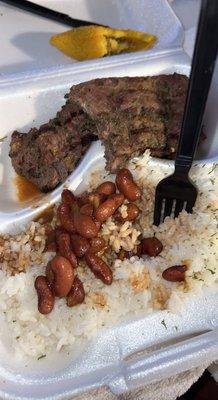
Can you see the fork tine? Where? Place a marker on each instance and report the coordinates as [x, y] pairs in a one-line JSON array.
[[189, 206], [157, 210], [179, 207], [168, 208]]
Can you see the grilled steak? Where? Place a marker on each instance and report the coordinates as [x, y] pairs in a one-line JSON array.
[[47, 155], [133, 114], [129, 115]]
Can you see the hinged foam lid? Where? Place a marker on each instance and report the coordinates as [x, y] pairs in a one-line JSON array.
[[25, 47]]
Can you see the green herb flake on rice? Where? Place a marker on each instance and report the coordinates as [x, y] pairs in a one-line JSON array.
[[138, 286]]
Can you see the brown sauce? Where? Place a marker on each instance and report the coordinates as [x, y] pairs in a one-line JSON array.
[[25, 189], [46, 216]]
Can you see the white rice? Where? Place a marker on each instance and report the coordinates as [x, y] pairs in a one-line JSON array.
[[138, 285]]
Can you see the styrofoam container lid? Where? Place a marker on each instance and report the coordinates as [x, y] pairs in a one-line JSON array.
[[25, 37]]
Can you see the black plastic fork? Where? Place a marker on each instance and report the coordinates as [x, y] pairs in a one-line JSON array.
[[48, 13], [177, 192]]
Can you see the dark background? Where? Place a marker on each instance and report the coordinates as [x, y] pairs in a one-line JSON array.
[[205, 388]]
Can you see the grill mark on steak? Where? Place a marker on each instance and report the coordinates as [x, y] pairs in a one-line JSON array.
[[47, 155], [128, 114]]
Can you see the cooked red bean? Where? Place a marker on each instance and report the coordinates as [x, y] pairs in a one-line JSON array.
[[45, 295], [106, 188], [99, 268], [79, 244], [127, 186], [132, 212], [176, 273], [124, 254], [118, 217], [84, 225], [87, 209], [66, 218], [108, 208], [97, 244], [59, 229], [151, 246], [60, 275], [67, 197], [105, 210], [83, 198], [139, 250], [64, 247], [118, 198], [51, 246], [76, 294], [49, 231], [97, 223]]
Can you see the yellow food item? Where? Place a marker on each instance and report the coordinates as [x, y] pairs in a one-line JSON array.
[[93, 41]]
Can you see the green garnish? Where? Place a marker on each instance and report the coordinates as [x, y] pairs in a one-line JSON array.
[[211, 271], [196, 276], [213, 168], [164, 323], [42, 356], [212, 181]]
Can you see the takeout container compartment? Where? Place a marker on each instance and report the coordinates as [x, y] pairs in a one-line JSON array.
[[134, 353], [121, 358]]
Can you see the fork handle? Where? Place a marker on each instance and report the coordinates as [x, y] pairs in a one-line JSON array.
[[203, 63], [48, 13]]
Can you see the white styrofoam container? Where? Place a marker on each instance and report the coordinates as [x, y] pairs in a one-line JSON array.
[[104, 361], [140, 350]]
